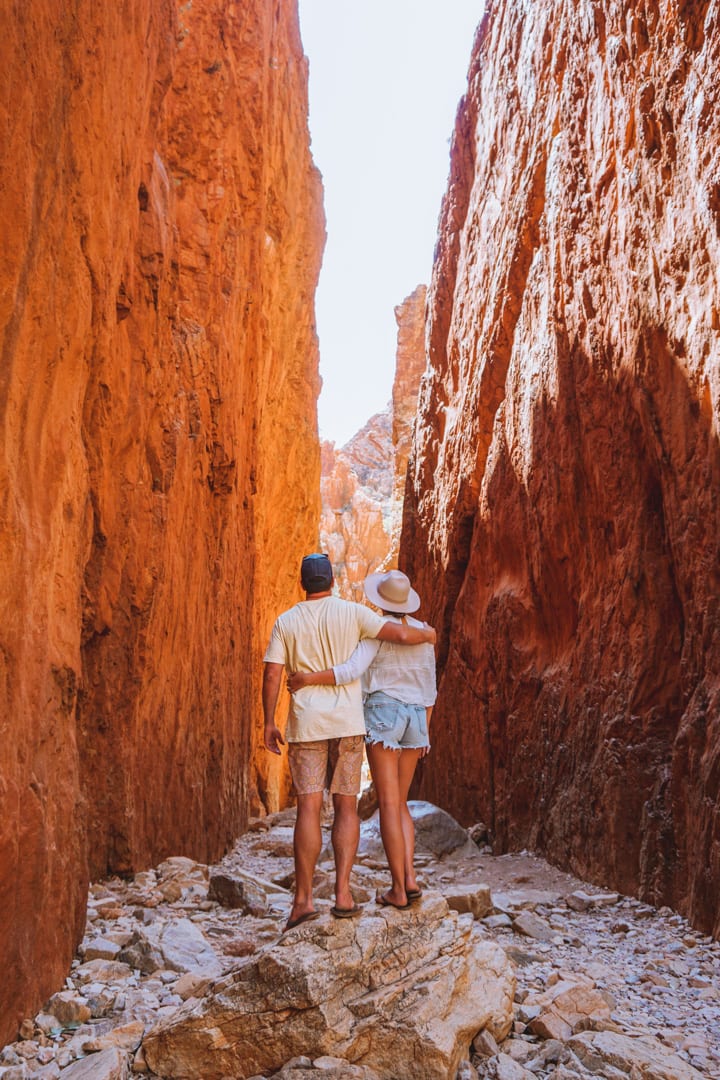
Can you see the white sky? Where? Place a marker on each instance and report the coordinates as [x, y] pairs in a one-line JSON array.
[[386, 77]]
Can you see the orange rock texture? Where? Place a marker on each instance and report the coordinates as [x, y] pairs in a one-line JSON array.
[[564, 500], [162, 230]]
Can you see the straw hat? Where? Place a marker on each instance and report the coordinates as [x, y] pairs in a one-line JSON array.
[[391, 591]]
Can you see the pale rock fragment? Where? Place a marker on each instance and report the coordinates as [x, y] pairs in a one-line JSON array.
[[191, 985], [47, 1022], [102, 948], [503, 1067], [497, 922], [644, 1056], [124, 1037], [105, 971], [109, 1065], [69, 1007], [236, 891], [484, 1044], [184, 948], [470, 898], [531, 925], [584, 901]]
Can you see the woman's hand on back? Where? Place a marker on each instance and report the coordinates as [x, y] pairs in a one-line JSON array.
[[296, 680]]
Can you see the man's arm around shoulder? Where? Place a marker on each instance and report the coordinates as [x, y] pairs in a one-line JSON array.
[[407, 635]]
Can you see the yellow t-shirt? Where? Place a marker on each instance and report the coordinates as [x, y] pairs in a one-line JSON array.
[[312, 636]]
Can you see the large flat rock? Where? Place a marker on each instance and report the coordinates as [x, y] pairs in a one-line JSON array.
[[387, 990]]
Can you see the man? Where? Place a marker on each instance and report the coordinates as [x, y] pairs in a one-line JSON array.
[[326, 729]]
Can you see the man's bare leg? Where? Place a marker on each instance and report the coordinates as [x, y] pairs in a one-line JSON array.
[[345, 839], [307, 841]]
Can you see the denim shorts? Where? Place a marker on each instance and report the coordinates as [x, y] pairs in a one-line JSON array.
[[394, 724]]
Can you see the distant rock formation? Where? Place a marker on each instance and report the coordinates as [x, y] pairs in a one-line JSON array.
[[162, 231], [563, 505], [363, 484], [356, 493]]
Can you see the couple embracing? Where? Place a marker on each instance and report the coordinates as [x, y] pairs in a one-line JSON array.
[[325, 644]]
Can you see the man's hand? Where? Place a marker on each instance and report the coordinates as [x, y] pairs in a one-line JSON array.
[[272, 679], [432, 635], [273, 738]]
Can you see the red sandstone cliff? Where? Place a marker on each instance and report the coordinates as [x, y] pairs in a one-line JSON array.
[[162, 229], [563, 508]]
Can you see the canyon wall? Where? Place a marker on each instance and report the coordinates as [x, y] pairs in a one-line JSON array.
[[162, 233], [563, 503]]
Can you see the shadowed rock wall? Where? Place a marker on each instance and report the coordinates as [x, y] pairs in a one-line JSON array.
[[563, 501], [162, 230]]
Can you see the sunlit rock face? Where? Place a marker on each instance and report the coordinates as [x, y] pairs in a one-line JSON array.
[[356, 491], [162, 229], [563, 504], [409, 368]]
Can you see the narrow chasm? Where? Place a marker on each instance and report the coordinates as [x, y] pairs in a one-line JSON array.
[[547, 473]]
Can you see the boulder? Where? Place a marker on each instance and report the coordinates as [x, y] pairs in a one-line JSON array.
[[238, 891], [184, 948], [387, 989], [68, 1007], [124, 1037], [531, 925], [469, 897], [643, 1056], [109, 1065], [435, 832]]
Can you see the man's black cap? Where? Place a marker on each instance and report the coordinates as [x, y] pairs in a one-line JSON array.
[[316, 573]]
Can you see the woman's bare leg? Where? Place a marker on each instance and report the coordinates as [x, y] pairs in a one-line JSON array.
[[406, 771], [384, 765]]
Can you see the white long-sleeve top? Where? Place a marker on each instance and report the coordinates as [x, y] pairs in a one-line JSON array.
[[405, 672]]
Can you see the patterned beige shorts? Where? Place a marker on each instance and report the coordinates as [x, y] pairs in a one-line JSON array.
[[335, 764]]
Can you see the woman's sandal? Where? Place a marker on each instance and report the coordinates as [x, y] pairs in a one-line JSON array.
[[413, 895]]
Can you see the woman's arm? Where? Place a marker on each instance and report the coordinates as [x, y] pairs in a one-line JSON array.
[[361, 659], [296, 680]]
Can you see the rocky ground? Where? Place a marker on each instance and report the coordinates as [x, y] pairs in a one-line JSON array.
[[605, 986]]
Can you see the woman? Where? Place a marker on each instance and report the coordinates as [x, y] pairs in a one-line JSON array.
[[399, 693]]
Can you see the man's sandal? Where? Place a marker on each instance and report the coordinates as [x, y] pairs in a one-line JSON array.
[[307, 917], [346, 912], [384, 902]]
